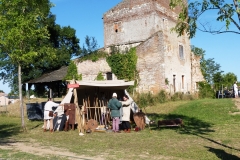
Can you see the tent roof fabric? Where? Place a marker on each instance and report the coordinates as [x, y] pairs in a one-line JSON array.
[[107, 84], [56, 75]]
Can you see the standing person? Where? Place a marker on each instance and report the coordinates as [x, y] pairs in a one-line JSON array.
[[48, 114], [235, 89], [115, 106], [126, 103]]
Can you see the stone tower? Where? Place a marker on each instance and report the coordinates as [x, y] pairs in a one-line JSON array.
[[164, 60]]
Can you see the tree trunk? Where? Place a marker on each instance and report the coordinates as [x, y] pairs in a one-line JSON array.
[[20, 97]]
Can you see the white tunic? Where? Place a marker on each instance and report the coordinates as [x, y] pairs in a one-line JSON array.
[[48, 107], [126, 110]]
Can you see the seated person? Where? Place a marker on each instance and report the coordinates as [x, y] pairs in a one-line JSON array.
[[227, 93]]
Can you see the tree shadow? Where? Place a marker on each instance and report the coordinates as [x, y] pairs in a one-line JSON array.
[[8, 130], [223, 145], [221, 154], [191, 125], [37, 125]]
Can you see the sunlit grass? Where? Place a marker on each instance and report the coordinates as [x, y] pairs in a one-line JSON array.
[[210, 133]]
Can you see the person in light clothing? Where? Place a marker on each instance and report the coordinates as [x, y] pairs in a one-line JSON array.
[[48, 108], [235, 89], [126, 113]]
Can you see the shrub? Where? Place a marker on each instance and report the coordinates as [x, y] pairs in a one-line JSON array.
[[162, 96], [100, 77], [145, 99], [205, 90]]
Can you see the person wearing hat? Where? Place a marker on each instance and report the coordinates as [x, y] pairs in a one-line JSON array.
[[114, 105]]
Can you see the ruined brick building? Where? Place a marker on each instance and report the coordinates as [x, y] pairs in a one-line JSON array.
[[164, 60]]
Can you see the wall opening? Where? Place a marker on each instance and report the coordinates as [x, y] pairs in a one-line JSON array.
[[181, 53], [174, 83], [109, 76], [182, 81]]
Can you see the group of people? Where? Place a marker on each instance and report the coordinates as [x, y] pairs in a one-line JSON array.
[[115, 106], [120, 110], [48, 114], [233, 93]]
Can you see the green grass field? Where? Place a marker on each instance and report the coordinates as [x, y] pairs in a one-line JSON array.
[[210, 132]]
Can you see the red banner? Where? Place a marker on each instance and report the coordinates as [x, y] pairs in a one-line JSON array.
[[72, 85]]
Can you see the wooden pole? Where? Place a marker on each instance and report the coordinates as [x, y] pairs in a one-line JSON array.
[[99, 114], [89, 108], [85, 104]]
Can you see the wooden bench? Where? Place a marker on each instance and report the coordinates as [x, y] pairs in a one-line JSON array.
[[178, 122]]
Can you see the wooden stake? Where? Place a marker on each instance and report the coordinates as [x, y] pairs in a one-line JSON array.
[[100, 114], [89, 108], [105, 113]]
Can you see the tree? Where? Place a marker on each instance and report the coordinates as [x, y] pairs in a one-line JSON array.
[[217, 79], [66, 45], [229, 78], [189, 17], [72, 72], [91, 46], [23, 34], [208, 66]]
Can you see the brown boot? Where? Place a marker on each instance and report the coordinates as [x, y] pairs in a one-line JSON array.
[[51, 130], [66, 126], [129, 130], [44, 130]]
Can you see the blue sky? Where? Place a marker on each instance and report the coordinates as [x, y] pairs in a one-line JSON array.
[[85, 16]]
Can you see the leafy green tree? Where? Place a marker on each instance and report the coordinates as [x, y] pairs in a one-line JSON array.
[[218, 80], [90, 46], [66, 45], [227, 12], [229, 79], [23, 34], [198, 51], [72, 72], [205, 90], [208, 66]]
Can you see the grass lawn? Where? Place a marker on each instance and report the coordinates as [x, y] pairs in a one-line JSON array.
[[210, 133]]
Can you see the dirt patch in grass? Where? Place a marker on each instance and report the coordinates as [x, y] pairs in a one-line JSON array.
[[237, 104], [35, 148]]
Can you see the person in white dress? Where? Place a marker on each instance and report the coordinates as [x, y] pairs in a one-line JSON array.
[[235, 89], [126, 104]]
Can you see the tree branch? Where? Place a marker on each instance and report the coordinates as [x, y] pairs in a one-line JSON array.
[[237, 8]]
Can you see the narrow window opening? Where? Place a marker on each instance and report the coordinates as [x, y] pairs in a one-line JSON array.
[[174, 83], [181, 54], [182, 81], [109, 75]]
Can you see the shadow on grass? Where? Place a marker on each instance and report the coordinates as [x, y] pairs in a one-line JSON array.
[[223, 145], [221, 154], [35, 124], [8, 130], [192, 125]]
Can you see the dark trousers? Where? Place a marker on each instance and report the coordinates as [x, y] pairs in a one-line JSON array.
[[126, 125]]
